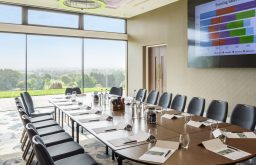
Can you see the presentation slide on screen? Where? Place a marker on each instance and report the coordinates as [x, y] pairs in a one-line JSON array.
[[225, 27]]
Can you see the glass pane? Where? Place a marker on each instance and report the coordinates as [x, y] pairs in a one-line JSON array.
[[12, 68], [110, 70], [46, 18], [10, 14], [106, 24], [54, 63]]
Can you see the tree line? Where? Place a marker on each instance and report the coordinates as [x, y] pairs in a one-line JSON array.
[[39, 80]]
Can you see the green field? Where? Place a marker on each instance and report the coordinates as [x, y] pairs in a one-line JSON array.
[[11, 94]]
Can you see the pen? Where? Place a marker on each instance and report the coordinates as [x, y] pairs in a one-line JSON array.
[[132, 141], [233, 148], [94, 120], [84, 113], [108, 130], [167, 153]]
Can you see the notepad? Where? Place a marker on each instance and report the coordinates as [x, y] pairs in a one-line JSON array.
[[199, 124], [95, 119], [71, 107], [59, 100], [134, 139], [160, 152], [242, 135], [105, 129], [216, 146], [65, 104], [168, 116]]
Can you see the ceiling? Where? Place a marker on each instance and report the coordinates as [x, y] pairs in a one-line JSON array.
[[114, 8]]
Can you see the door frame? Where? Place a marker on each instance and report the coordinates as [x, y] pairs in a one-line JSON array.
[[145, 63]]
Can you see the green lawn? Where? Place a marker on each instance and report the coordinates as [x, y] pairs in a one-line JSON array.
[[11, 94]]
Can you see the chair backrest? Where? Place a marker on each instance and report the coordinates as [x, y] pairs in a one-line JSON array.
[[116, 91], [77, 89], [28, 102], [165, 100], [179, 103], [70, 90], [244, 116], [141, 95], [23, 102], [152, 97], [217, 110], [42, 155], [31, 131], [196, 106]]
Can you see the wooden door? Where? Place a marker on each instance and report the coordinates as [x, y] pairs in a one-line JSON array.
[[156, 68]]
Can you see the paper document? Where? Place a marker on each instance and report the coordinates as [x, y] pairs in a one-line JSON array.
[[134, 139], [157, 154], [199, 124], [168, 116], [242, 135], [216, 146], [71, 107], [59, 100], [83, 112], [140, 136], [95, 119], [65, 104], [105, 129]]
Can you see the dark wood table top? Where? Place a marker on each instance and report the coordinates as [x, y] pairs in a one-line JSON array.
[[166, 129]]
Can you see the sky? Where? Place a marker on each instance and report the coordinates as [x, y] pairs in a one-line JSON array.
[[59, 52]]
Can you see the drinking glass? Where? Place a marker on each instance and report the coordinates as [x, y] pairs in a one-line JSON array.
[[73, 96], [223, 136], [214, 125], [68, 95], [187, 117], [184, 140]]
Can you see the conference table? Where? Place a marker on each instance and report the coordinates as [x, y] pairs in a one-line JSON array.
[[164, 129]]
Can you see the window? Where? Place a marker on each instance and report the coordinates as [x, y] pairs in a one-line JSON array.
[[97, 23], [39, 17], [104, 63], [53, 63], [12, 68], [10, 14]]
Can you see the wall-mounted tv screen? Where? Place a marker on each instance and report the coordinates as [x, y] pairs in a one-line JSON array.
[[222, 33]]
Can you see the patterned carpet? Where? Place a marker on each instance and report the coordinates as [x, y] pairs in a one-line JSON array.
[[10, 152]]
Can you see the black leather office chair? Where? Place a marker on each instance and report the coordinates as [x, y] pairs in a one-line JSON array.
[[196, 106], [179, 103], [45, 130], [165, 100], [77, 90], [68, 90], [63, 150], [116, 91], [217, 110], [44, 158], [152, 97], [49, 140], [244, 116], [30, 109], [71, 90], [141, 95]]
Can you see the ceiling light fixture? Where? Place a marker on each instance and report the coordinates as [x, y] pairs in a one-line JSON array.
[[83, 4]]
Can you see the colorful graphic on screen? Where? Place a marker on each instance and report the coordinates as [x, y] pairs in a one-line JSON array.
[[225, 27]]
